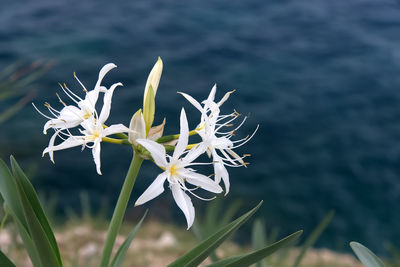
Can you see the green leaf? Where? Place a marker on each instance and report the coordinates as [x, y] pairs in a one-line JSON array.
[[120, 255], [5, 261], [149, 109], [28, 243], [230, 212], [366, 256], [258, 239], [12, 203], [253, 257], [313, 237], [196, 255], [9, 192], [38, 225]]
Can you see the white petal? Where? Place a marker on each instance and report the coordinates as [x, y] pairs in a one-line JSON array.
[[105, 111], [137, 128], [70, 142], [192, 101], [60, 124], [104, 70], [184, 203], [89, 125], [96, 155], [113, 129], [156, 150], [51, 144], [221, 172], [89, 103], [194, 153], [70, 113], [226, 96], [221, 143], [203, 182], [183, 136], [153, 191], [211, 96]]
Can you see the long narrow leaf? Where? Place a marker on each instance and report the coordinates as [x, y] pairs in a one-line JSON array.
[[230, 212], [120, 255], [37, 233], [196, 255], [5, 261], [253, 257], [38, 225], [9, 192], [29, 245], [313, 237], [258, 239], [366, 256], [12, 202]]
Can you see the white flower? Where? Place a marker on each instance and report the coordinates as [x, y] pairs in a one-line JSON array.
[[72, 116], [92, 133], [217, 143], [177, 172]]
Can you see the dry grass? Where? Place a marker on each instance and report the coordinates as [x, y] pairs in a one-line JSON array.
[[156, 244]]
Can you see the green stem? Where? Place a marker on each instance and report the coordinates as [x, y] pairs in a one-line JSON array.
[[116, 141], [167, 138], [120, 209]]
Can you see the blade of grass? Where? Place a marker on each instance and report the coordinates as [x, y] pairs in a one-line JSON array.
[[120, 255], [197, 255], [255, 256], [35, 217], [258, 239], [312, 238], [9, 192], [27, 240]]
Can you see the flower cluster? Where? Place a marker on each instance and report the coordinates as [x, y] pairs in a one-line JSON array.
[[84, 117], [149, 142]]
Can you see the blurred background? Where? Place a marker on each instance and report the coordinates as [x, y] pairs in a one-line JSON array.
[[320, 77]]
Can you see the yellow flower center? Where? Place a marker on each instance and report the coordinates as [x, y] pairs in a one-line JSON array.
[[87, 116], [173, 170]]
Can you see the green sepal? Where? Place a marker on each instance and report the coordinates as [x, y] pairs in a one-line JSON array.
[[149, 109], [197, 255]]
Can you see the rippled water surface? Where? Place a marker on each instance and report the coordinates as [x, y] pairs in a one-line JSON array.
[[320, 77]]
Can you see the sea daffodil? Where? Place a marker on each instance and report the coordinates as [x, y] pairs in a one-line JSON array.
[[72, 116], [92, 134], [217, 143], [177, 172]]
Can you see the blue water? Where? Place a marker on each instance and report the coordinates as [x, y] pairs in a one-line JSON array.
[[320, 77]]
